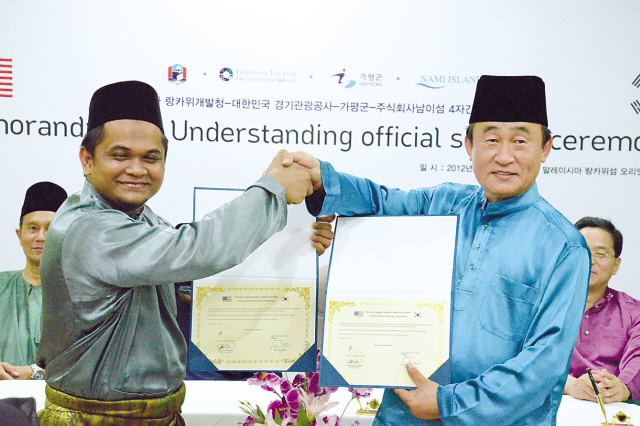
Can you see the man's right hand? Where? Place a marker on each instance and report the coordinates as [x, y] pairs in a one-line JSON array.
[[308, 161], [614, 390], [10, 372], [295, 178]]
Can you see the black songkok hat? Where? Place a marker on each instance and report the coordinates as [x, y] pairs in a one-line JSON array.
[[132, 100], [509, 99], [43, 196]]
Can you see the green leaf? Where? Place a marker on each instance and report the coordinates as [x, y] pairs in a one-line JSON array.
[[303, 420]]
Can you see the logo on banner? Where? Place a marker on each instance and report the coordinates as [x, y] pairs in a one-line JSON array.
[[370, 79], [226, 74], [636, 104], [440, 81], [348, 84], [177, 74], [6, 78], [243, 75], [226, 298], [358, 313]]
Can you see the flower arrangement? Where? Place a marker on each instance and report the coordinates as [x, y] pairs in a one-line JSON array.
[[299, 403]]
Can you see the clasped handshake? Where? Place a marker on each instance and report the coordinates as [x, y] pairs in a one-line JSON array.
[[298, 172]]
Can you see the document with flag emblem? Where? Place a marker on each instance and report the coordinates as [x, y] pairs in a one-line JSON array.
[[388, 300], [261, 314]]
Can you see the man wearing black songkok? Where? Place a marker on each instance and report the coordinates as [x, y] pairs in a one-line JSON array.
[[111, 345], [20, 291], [521, 276]]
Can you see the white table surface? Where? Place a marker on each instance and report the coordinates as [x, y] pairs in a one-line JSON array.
[[214, 403]]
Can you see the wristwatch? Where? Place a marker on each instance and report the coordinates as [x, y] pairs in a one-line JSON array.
[[38, 373]]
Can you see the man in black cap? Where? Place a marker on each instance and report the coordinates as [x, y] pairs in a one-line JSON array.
[[20, 291], [111, 346], [521, 276]]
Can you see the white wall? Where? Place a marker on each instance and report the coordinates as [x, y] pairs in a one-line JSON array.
[[586, 51]]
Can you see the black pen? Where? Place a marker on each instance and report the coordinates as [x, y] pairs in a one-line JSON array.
[[595, 389]]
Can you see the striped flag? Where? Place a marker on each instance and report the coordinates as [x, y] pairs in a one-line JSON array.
[[6, 78]]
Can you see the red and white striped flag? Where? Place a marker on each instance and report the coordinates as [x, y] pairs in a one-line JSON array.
[[6, 78]]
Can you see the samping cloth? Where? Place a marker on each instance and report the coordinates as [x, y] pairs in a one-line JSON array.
[[61, 409]]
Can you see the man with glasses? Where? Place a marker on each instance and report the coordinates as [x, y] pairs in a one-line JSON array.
[[521, 274], [609, 339]]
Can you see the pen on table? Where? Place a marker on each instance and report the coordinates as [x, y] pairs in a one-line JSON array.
[[595, 389]]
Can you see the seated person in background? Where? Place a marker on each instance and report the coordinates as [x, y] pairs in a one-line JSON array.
[[609, 339], [20, 291]]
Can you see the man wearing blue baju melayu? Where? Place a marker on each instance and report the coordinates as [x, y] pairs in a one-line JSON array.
[[522, 271]]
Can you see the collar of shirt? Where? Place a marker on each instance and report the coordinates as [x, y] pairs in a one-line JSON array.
[[91, 191], [511, 205], [601, 304]]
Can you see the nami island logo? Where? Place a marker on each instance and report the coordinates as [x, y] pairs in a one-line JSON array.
[[226, 74], [177, 74], [440, 81]]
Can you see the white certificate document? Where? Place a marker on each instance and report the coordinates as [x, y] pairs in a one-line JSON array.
[[261, 314], [388, 299]]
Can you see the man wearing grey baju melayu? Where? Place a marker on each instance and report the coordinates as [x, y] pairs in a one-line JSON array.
[[109, 310], [114, 305]]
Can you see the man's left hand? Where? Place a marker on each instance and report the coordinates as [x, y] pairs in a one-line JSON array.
[[614, 390], [422, 401], [322, 233], [15, 372]]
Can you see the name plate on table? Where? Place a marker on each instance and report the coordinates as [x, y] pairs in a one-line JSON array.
[[261, 314], [388, 300]]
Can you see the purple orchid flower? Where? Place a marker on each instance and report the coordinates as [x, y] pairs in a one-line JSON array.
[[293, 399], [274, 406], [361, 392], [328, 421], [285, 386], [267, 381], [313, 384], [299, 381], [249, 421]]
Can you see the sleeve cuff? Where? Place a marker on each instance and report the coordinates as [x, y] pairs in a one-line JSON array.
[[320, 203], [271, 184], [445, 403]]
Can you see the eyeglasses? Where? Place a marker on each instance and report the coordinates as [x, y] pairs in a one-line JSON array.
[[598, 255]]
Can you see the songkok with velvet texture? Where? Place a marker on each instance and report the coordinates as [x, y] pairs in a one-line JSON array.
[[43, 196], [126, 100], [509, 99]]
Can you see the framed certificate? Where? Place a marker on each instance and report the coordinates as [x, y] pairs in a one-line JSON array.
[[261, 314], [388, 300]]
